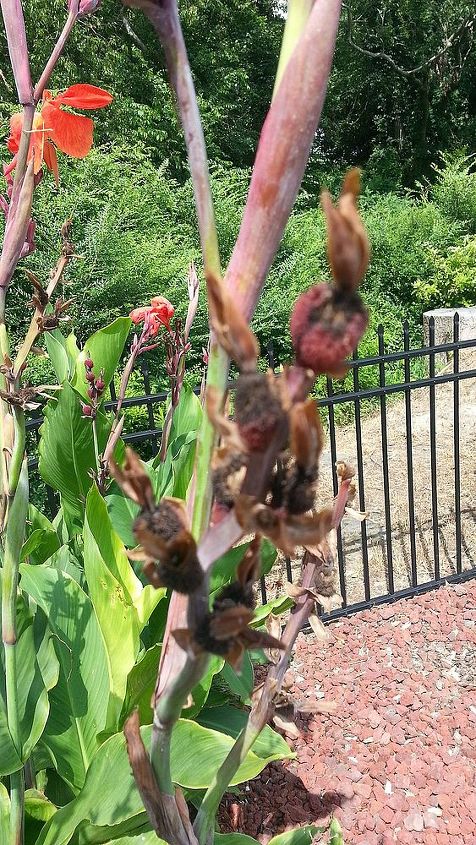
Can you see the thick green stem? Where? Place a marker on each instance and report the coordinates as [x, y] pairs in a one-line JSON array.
[[166, 713], [14, 536], [298, 13], [17, 807], [96, 446]]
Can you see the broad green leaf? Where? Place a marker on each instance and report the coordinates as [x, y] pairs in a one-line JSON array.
[[38, 806], [37, 672], [122, 513], [140, 685], [105, 348], [225, 567], [56, 346], [65, 561], [187, 415], [67, 449], [240, 684], [40, 545], [277, 606], [231, 720], [78, 703], [37, 519], [233, 839], [115, 611], [4, 813], [90, 835], [298, 836], [201, 690], [196, 754], [113, 553]]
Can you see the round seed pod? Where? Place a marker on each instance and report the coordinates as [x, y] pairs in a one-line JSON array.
[[326, 326]]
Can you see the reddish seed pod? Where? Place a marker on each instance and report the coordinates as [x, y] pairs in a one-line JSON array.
[[326, 326], [87, 410], [90, 377], [99, 385], [92, 393], [258, 411], [89, 364]]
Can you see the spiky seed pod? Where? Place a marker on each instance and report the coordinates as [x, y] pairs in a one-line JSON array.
[[227, 478], [258, 410], [326, 326], [163, 534]]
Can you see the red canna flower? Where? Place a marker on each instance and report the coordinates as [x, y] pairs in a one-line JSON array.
[[158, 313], [54, 128]]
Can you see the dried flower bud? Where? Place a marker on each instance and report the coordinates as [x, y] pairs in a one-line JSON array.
[[163, 534], [258, 409], [347, 242], [230, 326], [326, 326]]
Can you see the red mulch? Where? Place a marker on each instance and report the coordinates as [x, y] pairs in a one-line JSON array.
[[397, 761]]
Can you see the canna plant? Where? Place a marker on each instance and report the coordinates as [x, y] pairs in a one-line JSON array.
[[129, 708]]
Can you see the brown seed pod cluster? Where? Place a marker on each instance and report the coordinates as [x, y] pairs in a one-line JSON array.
[[225, 630], [166, 543]]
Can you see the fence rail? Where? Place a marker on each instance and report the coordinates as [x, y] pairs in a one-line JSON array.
[[407, 440]]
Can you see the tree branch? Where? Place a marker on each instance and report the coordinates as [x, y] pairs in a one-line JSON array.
[[468, 24]]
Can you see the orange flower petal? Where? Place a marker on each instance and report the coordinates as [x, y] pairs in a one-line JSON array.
[[51, 159], [16, 123], [84, 96], [72, 133]]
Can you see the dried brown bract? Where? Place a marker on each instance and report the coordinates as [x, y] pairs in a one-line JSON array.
[[162, 530], [347, 244], [225, 428], [48, 322], [230, 326], [228, 472], [286, 531], [306, 434], [25, 397]]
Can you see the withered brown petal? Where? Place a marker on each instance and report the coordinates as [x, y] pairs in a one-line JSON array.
[[229, 325], [347, 245], [226, 428], [230, 622], [306, 433], [249, 568], [259, 639], [133, 479]]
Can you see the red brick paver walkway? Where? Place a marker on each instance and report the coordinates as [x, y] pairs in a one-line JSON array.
[[396, 762]]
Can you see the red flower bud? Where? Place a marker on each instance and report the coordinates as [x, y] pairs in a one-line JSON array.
[[89, 364], [326, 326], [99, 385], [92, 393], [87, 410], [90, 376]]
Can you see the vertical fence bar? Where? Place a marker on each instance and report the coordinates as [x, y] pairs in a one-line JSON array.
[[456, 448], [335, 485], [262, 583], [433, 459], [270, 353], [408, 429], [360, 477], [289, 571], [112, 391], [150, 409], [386, 479]]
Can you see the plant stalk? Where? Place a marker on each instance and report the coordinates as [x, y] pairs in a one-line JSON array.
[[296, 20], [14, 536], [57, 50]]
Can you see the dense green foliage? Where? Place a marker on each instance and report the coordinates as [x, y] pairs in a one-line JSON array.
[[136, 236], [402, 86]]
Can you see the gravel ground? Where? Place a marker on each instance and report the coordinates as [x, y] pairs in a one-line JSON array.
[[396, 762]]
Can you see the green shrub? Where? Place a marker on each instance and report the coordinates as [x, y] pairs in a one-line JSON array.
[[455, 189], [453, 282]]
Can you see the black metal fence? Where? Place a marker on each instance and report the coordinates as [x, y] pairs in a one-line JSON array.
[[405, 422]]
